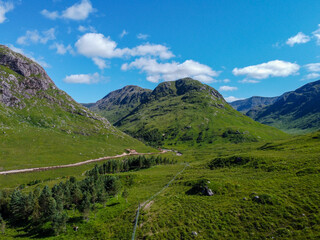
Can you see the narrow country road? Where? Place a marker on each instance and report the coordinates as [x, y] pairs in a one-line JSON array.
[[131, 153]]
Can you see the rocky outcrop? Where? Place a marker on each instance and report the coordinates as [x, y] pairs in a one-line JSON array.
[[23, 83]]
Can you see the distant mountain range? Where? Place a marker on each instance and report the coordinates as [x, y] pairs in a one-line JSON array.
[[293, 112], [253, 103], [180, 112]]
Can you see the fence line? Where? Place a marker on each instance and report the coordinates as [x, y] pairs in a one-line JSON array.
[[152, 197]]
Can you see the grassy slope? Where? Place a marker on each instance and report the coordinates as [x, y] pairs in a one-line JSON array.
[[296, 112], [47, 127], [287, 172], [193, 118]]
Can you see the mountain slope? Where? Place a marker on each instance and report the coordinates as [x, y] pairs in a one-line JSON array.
[[253, 103], [40, 124], [120, 103], [297, 111], [189, 112]]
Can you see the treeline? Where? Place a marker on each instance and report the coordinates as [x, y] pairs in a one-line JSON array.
[[44, 211], [128, 164]]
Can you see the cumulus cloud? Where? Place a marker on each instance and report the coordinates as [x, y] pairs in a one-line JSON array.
[[142, 36], [78, 11], [97, 45], [171, 71], [4, 8], [100, 63], [313, 67], [62, 49], [249, 81], [232, 99], [123, 33], [51, 15], [276, 68], [298, 39], [311, 76], [83, 78], [227, 88], [86, 29], [36, 37]]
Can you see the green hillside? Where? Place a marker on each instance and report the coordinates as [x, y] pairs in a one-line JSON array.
[[41, 125], [294, 112], [119, 103], [187, 112]]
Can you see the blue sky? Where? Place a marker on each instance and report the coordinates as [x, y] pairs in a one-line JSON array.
[[241, 48]]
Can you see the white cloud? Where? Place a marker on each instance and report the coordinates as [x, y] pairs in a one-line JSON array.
[[78, 11], [311, 76], [86, 29], [151, 50], [51, 15], [227, 88], [316, 34], [4, 8], [276, 68], [171, 71], [97, 45], [232, 99], [249, 81], [100, 63], [62, 49], [313, 67], [298, 39], [39, 60], [226, 80], [83, 78], [36, 37], [142, 36], [123, 33]]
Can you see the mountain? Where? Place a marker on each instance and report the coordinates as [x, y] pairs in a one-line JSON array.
[[120, 103], [295, 112], [253, 103], [189, 112], [41, 124]]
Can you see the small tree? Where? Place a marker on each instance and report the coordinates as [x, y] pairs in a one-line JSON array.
[[125, 194]]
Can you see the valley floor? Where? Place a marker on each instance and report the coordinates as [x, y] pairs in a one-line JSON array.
[[261, 191]]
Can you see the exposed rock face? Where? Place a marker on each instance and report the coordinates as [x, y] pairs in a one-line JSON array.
[[38, 78], [24, 83], [20, 78]]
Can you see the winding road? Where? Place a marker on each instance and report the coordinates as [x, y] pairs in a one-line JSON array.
[[131, 153]]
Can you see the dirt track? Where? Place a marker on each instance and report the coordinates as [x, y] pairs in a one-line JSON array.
[[131, 153]]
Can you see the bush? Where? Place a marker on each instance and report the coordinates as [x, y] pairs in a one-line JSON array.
[[229, 162]]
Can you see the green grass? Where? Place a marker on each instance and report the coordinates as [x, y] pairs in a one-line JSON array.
[[36, 147], [284, 174]]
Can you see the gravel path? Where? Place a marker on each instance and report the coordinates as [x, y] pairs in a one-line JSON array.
[[131, 153]]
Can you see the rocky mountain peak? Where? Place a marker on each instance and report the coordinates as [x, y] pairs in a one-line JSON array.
[[26, 68], [20, 78]]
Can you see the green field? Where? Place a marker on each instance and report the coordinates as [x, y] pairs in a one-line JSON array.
[[284, 174]]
